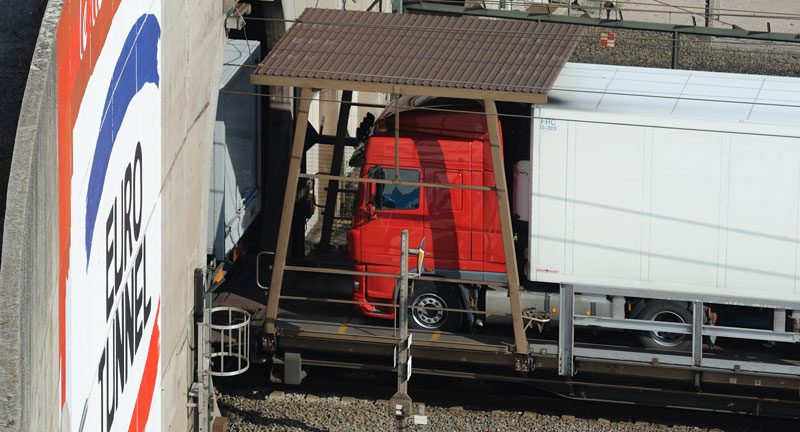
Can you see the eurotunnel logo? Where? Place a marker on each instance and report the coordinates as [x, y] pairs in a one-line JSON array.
[[110, 214], [141, 48], [129, 306], [88, 17]]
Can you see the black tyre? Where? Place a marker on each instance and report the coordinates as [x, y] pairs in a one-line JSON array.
[[434, 296], [666, 312]]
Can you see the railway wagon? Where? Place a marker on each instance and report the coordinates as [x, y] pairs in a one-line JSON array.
[[639, 186]]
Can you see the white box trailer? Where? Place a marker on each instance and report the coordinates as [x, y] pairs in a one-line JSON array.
[[667, 181], [235, 186]]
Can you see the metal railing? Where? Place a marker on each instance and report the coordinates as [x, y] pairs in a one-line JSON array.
[[698, 328], [234, 342]]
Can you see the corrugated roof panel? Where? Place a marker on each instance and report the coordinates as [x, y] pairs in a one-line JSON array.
[[507, 60]]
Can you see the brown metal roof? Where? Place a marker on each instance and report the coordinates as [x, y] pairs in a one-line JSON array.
[[432, 55]]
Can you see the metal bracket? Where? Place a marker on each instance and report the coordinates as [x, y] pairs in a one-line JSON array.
[[269, 266], [779, 321], [697, 333], [523, 362], [268, 343], [235, 21], [618, 307]]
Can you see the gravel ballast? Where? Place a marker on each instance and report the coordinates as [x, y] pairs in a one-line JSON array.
[[654, 49], [252, 411]]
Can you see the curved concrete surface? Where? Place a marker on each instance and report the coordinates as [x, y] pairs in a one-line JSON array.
[[191, 58], [28, 292]]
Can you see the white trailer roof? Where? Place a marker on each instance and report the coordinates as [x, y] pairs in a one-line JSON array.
[[688, 94]]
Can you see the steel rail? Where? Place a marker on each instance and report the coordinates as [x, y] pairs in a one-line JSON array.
[[509, 378]]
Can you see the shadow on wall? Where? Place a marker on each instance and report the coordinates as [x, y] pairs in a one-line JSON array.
[[19, 27]]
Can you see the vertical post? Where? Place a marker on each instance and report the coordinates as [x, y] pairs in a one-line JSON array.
[[402, 315], [396, 138], [779, 321], [710, 8], [676, 49], [336, 169], [288, 210], [400, 405], [566, 331], [697, 333], [504, 209], [202, 410]]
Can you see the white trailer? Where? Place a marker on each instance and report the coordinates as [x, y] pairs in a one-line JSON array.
[[667, 181]]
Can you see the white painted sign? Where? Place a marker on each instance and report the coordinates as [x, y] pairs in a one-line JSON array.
[[112, 207]]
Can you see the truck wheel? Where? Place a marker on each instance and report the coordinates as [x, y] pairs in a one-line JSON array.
[[438, 296], [666, 312]]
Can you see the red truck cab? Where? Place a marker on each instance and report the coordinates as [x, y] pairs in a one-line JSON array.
[[441, 141]]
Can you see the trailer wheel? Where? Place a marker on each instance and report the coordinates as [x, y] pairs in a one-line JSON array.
[[666, 312], [435, 296]]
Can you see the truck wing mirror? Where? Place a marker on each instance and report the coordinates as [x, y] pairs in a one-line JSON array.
[[371, 213], [374, 190], [376, 172]]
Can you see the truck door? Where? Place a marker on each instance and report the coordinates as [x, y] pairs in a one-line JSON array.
[[448, 220], [390, 208]]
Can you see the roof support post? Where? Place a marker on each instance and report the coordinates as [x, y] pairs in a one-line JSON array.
[[504, 208], [676, 49], [396, 137], [289, 197], [336, 170]]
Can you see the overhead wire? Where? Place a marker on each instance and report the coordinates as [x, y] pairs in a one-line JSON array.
[[708, 16], [492, 32], [507, 87], [506, 115], [554, 36], [652, 95]]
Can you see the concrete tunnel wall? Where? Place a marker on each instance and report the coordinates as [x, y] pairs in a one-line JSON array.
[[29, 289], [192, 42]]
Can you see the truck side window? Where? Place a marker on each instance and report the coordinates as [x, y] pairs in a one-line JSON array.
[[395, 197]]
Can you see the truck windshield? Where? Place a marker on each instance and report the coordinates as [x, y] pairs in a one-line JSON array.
[[396, 197]]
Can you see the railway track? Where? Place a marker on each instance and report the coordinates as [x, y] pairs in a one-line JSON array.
[[341, 400]]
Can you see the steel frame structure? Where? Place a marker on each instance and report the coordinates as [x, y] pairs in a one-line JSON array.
[[567, 351], [501, 190], [565, 356]]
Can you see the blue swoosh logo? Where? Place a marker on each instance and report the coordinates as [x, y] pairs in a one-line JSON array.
[[136, 66]]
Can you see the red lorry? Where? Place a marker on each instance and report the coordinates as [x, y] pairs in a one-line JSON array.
[[461, 227]]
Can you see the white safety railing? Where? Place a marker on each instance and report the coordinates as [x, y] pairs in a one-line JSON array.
[[234, 341]]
